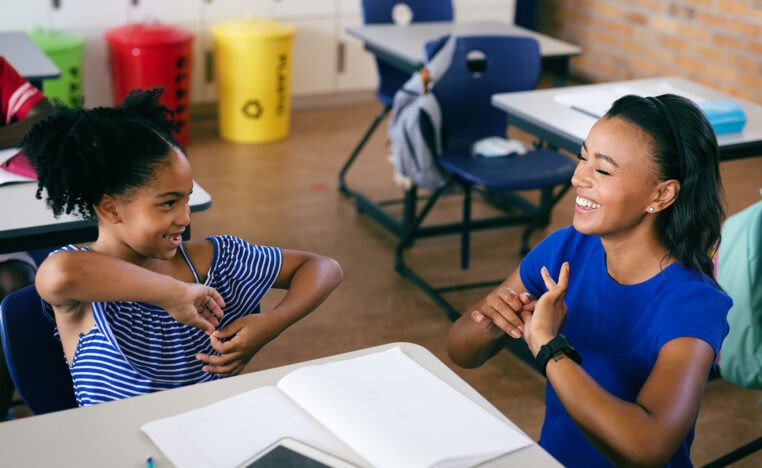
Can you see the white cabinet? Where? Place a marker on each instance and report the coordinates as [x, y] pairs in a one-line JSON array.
[[357, 67], [32, 13], [313, 63], [213, 11], [88, 14], [303, 8], [174, 12]]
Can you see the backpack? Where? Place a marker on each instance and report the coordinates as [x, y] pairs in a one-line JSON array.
[[739, 272], [415, 126]]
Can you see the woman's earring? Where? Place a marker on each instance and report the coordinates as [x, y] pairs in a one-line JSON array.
[[651, 209]]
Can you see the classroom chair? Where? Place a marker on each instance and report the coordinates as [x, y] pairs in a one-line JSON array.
[[390, 79], [464, 92], [34, 356]]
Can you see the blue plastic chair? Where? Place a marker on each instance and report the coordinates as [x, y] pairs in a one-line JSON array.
[[391, 78], [34, 356], [505, 64]]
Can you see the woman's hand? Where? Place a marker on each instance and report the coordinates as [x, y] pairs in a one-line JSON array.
[[246, 336], [195, 305], [500, 311], [549, 312]]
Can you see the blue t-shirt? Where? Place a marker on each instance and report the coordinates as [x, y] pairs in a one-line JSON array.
[[619, 329]]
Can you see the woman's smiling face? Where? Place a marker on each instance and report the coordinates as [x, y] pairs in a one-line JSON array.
[[615, 179]]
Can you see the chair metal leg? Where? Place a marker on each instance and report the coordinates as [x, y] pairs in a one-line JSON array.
[[736, 454], [542, 217], [342, 175], [465, 236]]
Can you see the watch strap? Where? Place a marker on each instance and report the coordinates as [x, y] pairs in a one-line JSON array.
[[549, 349]]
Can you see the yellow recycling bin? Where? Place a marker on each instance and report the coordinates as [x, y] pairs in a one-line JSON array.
[[253, 65]]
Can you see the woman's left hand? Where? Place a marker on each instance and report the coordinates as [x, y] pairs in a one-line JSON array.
[[549, 313], [246, 336]]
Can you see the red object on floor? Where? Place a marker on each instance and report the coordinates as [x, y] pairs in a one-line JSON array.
[[154, 55]]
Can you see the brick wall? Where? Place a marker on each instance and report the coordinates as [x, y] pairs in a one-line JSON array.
[[714, 42]]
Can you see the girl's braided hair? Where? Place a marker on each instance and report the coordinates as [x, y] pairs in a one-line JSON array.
[[82, 154]]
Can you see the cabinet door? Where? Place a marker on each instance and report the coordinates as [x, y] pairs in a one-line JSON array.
[[357, 68], [26, 14], [313, 63], [89, 14], [303, 8], [175, 12], [484, 10], [213, 11]]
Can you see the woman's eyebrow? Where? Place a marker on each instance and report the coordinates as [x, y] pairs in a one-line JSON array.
[[170, 194], [601, 156]]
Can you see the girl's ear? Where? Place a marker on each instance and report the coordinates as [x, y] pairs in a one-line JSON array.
[[107, 209], [666, 194]]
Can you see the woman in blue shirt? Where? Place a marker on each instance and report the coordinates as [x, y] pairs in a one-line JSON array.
[[629, 284]]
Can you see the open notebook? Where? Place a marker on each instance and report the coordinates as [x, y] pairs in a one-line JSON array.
[[389, 409]]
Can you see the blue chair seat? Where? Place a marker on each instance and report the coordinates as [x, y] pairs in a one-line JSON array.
[[533, 170]]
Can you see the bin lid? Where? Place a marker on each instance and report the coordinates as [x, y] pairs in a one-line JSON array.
[[252, 28], [148, 34], [54, 41]]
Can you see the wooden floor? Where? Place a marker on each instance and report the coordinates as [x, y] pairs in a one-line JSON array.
[[285, 194]]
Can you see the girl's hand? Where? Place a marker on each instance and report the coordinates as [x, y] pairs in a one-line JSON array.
[[499, 312], [197, 306], [549, 312], [247, 335]]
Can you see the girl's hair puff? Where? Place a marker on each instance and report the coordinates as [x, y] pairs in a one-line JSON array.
[[80, 155]]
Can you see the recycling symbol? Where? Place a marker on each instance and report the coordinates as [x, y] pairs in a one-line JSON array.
[[252, 109]]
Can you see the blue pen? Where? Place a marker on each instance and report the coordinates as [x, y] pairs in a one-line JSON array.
[[149, 462]]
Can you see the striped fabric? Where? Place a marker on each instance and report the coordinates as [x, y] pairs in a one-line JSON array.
[[137, 348]]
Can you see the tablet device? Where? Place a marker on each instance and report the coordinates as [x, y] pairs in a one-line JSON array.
[[291, 453]]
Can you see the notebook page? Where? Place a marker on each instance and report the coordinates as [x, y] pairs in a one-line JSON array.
[[394, 412], [226, 433]]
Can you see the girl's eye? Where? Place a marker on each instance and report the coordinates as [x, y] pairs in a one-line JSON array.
[[602, 172], [168, 204]]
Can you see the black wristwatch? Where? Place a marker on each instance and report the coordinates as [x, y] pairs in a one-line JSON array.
[[549, 349]]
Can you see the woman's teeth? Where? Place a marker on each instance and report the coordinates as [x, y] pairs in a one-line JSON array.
[[585, 203]]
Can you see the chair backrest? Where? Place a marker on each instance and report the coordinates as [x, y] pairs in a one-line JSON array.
[[504, 64], [390, 79], [34, 356]]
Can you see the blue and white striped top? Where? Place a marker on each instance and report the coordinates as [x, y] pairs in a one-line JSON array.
[[136, 348]]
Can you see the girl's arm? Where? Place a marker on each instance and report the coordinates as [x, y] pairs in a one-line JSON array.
[[646, 432], [486, 327], [309, 278], [68, 278]]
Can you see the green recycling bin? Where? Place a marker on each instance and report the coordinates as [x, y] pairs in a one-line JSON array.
[[66, 51]]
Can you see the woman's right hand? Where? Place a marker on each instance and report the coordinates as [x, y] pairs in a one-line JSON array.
[[500, 312], [196, 305]]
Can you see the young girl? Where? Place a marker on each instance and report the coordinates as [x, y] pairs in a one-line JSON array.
[[634, 295], [139, 310]]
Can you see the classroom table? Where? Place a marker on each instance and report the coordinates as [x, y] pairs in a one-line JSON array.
[[109, 434], [403, 46], [540, 113], [27, 58], [26, 223]]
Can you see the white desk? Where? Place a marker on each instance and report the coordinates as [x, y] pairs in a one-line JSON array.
[[27, 223], [28, 59], [109, 434], [403, 46], [539, 113]]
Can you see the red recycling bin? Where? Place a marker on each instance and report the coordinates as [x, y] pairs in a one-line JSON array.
[[154, 55]]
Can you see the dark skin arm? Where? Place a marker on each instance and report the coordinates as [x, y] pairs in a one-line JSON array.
[[646, 432], [309, 279], [10, 135]]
